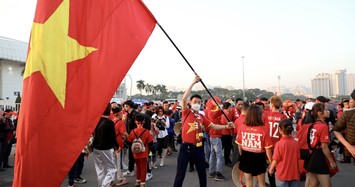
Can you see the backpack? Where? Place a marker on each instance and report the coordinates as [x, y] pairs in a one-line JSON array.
[[304, 142], [137, 144]]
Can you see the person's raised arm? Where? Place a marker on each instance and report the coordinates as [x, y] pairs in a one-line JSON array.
[[187, 93]]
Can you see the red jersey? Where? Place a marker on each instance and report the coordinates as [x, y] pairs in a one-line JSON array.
[[238, 123], [224, 121], [271, 121], [120, 129], [319, 133], [253, 138], [237, 113], [215, 116], [287, 154], [146, 139], [192, 127], [299, 123]]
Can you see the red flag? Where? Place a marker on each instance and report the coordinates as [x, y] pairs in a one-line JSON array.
[[78, 55]]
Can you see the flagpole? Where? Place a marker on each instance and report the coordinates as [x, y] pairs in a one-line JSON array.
[[203, 84]]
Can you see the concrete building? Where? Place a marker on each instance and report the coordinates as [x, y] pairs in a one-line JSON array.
[[321, 85], [350, 83], [339, 83], [12, 63]]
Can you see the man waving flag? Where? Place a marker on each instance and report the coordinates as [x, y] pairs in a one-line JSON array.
[[78, 54]]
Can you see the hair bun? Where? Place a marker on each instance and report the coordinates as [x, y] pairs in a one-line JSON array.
[[289, 129]]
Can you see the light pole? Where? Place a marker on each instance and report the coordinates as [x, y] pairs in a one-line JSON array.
[[279, 77], [130, 91], [243, 79]]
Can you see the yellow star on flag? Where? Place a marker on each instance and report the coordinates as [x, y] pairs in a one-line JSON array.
[[192, 127], [51, 48]]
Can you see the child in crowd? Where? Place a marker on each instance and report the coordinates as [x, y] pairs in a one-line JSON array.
[[286, 156], [141, 158]]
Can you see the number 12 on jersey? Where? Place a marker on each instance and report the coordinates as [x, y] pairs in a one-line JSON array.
[[274, 130]]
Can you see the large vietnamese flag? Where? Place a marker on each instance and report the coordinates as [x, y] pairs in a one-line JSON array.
[[79, 52]]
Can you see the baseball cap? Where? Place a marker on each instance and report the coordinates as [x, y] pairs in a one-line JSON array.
[[309, 106]]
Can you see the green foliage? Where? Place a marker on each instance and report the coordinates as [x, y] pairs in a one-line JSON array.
[[159, 92]]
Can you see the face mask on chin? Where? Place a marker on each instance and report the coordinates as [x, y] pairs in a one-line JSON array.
[[195, 107]]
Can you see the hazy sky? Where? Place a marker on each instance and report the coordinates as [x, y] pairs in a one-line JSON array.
[[293, 39]]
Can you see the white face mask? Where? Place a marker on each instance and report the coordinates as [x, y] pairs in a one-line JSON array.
[[196, 107]]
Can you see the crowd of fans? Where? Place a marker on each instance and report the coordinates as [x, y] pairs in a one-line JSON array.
[[262, 136]]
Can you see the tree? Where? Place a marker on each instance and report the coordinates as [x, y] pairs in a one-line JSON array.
[[148, 88], [157, 89], [140, 86], [163, 89]]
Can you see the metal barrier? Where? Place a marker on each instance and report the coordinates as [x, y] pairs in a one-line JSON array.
[[7, 104]]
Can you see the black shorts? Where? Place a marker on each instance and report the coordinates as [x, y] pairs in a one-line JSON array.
[[253, 163], [317, 163], [162, 142]]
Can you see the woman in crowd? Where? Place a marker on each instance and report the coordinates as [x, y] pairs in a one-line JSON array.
[[318, 170], [253, 142], [162, 123]]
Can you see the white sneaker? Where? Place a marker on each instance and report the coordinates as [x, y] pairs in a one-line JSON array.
[[161, 163], [149, 176], [152, 165], [128, 174], [125, 167]]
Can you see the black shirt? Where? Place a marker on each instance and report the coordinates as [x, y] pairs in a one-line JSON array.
[[105, 137], [5, 127], [130, 121]]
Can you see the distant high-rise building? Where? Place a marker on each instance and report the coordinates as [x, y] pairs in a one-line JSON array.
[[121, 91], [321, 85], [350, 80], [338, 83]]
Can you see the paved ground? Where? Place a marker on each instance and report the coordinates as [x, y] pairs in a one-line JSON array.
[[164, 176]]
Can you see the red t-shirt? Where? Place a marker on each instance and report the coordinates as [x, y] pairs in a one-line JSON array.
[[120, 129], [192, 127], [231, 116], [146, 138], [253, 138], [215, 117], [319, 133], [238, 123], [271, 121], [237, 113], [287, 154]]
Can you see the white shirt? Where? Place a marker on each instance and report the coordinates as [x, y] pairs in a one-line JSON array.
[[162, 133]]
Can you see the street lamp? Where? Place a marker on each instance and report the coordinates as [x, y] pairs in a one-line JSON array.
[[279, 77], [243, 79]]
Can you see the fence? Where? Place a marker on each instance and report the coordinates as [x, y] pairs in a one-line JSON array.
[[7, 104]]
